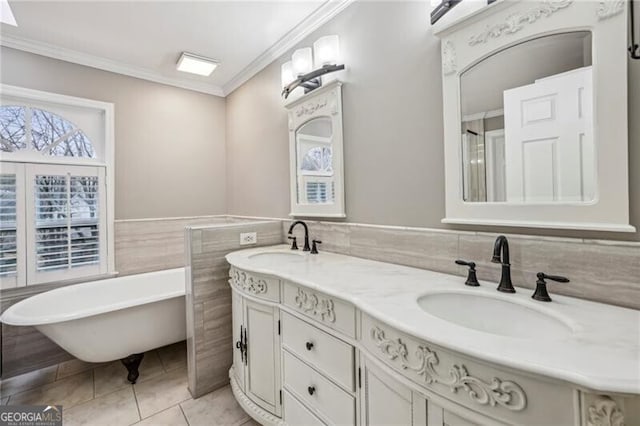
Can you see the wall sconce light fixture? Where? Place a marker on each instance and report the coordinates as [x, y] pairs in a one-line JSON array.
[[306, 67]]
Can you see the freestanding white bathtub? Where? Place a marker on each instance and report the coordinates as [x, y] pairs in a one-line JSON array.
[[109, 319]]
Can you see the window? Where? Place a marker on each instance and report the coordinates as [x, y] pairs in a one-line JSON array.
[[56, 211], [47, 132]]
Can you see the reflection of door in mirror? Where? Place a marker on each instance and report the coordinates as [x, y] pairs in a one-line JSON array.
[[550, 155], [527, 123], [314, 162]]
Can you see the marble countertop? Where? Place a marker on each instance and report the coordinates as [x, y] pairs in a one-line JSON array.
[[601, 354]]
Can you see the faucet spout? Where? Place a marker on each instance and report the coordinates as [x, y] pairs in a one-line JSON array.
[[501, 255], [501, 246], [306, 233]]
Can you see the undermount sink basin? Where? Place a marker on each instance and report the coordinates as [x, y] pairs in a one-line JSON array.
[[278, 256], [494, 315]]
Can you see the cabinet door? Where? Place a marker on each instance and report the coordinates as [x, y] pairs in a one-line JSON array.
[[386, 401], [238, 337], [441, 417], [262, 374], [451, 419]]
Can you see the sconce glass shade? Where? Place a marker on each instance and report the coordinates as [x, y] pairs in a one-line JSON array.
[[286, 73], [326, 50], [302, 61]]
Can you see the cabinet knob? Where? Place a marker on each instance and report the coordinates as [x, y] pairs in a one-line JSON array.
[[309, 345], [311, 390]]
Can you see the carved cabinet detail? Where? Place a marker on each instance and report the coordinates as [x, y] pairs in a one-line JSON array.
[[255, 285], [329, 311], [487, 389]]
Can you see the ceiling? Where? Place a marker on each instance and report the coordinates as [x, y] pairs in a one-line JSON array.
[[145, 38]]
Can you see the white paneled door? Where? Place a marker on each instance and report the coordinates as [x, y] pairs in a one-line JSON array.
[[549, 146]]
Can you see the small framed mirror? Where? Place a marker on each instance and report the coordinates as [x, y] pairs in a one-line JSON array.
[[315, 151]]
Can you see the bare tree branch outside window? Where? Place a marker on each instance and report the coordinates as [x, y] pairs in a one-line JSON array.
[[50, 133], [12, 128]]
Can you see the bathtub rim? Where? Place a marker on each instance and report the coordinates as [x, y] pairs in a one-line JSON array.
[[8, 317]]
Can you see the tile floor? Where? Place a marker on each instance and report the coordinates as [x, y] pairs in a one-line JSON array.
[[99, 394]]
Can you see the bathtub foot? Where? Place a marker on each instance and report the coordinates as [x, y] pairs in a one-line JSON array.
[[132, 362]]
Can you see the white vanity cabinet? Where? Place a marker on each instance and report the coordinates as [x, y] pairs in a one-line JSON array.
[[306, 357]]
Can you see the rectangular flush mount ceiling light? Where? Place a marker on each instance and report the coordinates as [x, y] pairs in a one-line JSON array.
[[6, 15], [195, 64]]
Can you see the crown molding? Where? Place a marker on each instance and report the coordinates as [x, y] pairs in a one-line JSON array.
[[321, 15], [81, 58]]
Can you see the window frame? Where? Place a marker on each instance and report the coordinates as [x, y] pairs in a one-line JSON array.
[[27, 97]]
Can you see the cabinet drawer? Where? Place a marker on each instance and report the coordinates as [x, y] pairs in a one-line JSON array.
[[328, 354], [297, 414], [328, 310], [494, 391], [255, 285], [316, 391]]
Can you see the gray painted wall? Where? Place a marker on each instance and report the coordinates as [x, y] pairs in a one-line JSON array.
[[392, 98], [170, 142]]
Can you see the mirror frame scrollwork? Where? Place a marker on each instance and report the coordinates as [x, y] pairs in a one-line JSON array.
[[325, 102], [503, 24]]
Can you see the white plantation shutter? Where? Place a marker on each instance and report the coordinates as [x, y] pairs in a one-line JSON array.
[[316, 192], [84, 237], [65, 222], [11, 219], [316, 189], [8, 226]]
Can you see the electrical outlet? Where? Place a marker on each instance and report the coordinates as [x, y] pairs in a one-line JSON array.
[[247, 238]]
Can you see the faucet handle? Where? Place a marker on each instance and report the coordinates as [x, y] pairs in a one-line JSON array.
[[314, 247], [472, 279], [541, 292], [294, 243], [558, 278]]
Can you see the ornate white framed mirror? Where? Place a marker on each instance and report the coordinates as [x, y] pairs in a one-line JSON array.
[[535, 115], [315, 153]]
